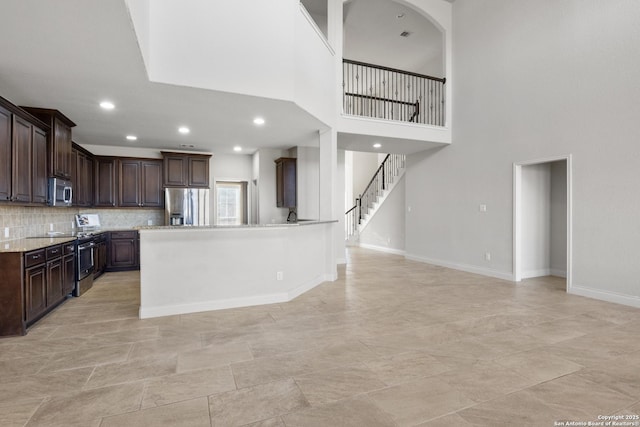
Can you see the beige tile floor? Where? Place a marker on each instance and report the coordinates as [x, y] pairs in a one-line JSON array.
[[391, 343]]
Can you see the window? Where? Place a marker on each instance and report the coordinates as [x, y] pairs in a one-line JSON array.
[[231, 201]]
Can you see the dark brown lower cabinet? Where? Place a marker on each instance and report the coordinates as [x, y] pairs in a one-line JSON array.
[[54, 281], [68, 274], [35, 284], [100, 264], [123, 251]]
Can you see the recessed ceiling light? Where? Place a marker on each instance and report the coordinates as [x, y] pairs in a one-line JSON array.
[[377, 145], [258, 121], [184, 130], [106, 105], [237, 148], [132, 137]]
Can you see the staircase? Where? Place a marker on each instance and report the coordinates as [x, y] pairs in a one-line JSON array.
[[367, 204]]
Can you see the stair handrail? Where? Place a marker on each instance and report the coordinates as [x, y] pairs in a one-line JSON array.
[[394, 70], [381, 179]]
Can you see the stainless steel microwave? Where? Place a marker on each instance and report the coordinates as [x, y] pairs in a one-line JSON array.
[[60, 192]]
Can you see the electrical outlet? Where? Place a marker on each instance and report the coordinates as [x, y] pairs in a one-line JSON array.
[[50, 227], [487, 256], [149, 222], [482, 208], [6, 232], [279, 275]]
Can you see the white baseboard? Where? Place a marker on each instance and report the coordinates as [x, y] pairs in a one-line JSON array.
[[536, 273], [630, 300], [544, 272], [382, 249], [558, 273], [223, 304], [462, 267]]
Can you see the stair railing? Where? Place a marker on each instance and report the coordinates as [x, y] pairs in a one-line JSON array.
[[371, 90], [382, 178]]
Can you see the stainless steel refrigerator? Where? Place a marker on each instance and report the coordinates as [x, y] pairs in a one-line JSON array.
[[186, 206]]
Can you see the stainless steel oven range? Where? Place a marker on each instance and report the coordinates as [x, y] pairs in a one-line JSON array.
[[85, 265]]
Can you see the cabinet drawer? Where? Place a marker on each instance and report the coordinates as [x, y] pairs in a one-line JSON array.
[[54, 252], [34, 258], [124, 235], [68, 248]]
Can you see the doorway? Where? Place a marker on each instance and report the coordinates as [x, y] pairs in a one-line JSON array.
[[542, 219]]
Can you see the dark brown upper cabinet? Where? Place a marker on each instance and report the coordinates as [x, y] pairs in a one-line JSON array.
[[82, 176], [39, 166], [186, 170], [286, 182], [59, 140], [105, 182], [6, 155], [140, 183], [21, 177], [23, 156]]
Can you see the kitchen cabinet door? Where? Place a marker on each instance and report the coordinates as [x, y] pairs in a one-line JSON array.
[[39, 166], [129, 183], [21, 176], [286, 182], [151, 189], [61, 149], [5, 154], [54, 282], [105, 182], [35, 292], [68, 274], [175, 170], [198, 171], [123, 254]]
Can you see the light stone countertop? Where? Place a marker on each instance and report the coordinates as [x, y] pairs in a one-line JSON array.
[[26, 245], [231, 227]]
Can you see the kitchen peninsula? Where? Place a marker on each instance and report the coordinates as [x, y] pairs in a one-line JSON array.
[[192, 269]]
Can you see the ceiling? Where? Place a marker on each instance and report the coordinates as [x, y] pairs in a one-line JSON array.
[[72, 54]]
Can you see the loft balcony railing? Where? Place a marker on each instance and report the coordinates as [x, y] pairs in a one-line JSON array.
[[387, 93]]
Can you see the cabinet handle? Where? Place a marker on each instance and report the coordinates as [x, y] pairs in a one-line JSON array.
[[35, 256]]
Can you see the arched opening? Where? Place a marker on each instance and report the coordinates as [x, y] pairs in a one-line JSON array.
[[394, 63]]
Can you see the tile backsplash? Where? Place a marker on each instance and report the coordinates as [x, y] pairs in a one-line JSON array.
[[113, 218], [27, 221], [24, 222]]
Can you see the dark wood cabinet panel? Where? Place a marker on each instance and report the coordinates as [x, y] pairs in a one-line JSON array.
[[286, 182], [21, 177], [151, 188], [82, 178], [5, 154], [105, 182], [35, 292], [129, 183], [54, 281], [198, 171], [39, 166], [186, 170], [58, 140], [100, 258], [123, 251], [175, 170], [68, 274]]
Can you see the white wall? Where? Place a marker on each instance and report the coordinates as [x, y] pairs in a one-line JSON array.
[[534, 81], [363, 167], [386, 229], [308, 182], [536, 220], [558, 239], [240, 46]]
